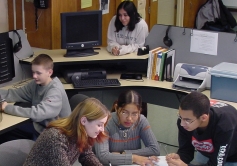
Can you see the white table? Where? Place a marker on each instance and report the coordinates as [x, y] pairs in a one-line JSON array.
[[162, 162]]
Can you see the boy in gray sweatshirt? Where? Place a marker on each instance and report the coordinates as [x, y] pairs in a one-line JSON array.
[[47, 96]]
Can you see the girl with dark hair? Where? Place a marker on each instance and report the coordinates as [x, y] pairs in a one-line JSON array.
[[66, 139], [127, 30], [126, 129]]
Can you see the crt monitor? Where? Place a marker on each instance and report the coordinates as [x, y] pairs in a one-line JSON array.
[[80, 32]]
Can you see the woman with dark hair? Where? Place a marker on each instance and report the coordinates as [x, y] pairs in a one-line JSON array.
[[127, 129], [66, 139], [127, 30]]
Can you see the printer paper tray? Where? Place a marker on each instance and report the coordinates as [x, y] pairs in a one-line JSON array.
[[184, 88], [186, 85]]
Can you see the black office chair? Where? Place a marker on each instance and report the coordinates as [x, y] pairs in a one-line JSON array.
[[76, 99], [14, 152]]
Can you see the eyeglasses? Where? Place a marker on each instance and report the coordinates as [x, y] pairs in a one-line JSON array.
[[127, 114], [187, 121]]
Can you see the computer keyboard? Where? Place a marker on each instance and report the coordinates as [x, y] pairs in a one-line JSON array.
[[77, 83]]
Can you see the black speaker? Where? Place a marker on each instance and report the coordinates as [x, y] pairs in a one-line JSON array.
[[17, 47], [167, 41]]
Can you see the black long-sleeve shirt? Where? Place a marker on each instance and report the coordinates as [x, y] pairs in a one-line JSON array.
[[219, 140]]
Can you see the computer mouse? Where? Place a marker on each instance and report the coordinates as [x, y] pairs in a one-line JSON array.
[[138, 77]]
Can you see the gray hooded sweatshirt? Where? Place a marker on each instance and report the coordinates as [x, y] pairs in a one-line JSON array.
[[127, 41], [48, 102]]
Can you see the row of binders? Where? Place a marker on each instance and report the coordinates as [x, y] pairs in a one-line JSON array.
[[161, 64]]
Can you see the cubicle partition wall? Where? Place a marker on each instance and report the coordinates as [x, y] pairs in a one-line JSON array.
[[181, 37]]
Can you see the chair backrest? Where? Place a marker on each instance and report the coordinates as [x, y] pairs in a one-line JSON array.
[[14, 153], [76, 99]]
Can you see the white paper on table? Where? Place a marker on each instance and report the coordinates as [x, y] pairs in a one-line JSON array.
[[204, 42], [161, 162]]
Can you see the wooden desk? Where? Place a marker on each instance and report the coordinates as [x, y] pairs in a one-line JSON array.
[[104, 55], [162, 162], [9, 122], [146, 84]]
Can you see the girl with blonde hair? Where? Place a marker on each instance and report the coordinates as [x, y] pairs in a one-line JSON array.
[[67, 139]]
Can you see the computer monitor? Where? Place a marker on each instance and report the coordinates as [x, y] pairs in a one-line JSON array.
[[80, 32]]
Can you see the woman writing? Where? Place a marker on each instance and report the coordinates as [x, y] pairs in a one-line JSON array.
[[127, 30], [66, 139], [126, 129]]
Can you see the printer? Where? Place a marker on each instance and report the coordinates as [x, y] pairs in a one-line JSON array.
[[191, 77], [84, 74]]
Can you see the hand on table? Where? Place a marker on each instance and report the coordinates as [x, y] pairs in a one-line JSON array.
[[141, 160], [115, 51], [173, 156], [173, 159], [4, 104]]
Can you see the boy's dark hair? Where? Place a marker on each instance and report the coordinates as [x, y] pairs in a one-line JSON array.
[[44, 60], [197, 102], [131, 10]]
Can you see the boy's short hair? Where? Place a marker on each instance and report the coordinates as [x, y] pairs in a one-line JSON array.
[[43, 60], [197, 102]]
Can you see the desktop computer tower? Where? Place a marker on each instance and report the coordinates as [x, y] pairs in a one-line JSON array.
[[7, 70]]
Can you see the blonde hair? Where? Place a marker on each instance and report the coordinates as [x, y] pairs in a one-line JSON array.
[[71, 126], [43, 60]]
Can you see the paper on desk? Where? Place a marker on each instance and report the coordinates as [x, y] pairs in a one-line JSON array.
[[161, 162], [204, 42]]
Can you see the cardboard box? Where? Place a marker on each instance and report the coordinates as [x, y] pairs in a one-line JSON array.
[[224, 82]]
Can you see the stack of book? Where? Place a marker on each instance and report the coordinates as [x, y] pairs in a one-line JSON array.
[[161, 64]]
